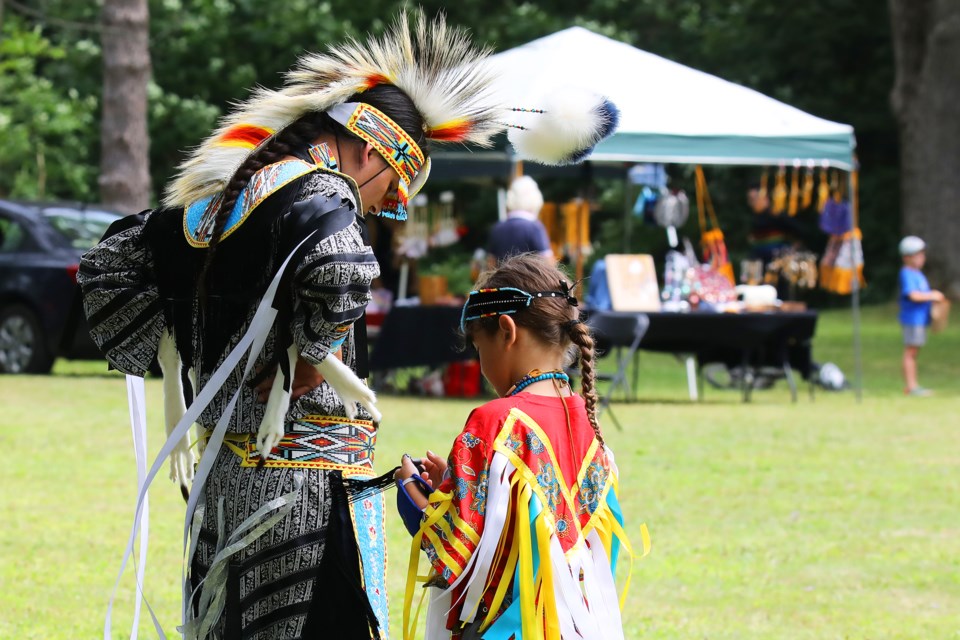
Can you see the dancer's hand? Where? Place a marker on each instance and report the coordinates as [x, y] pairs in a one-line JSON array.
[[306, 378], [181, 458], [268, 437], [435, 468]]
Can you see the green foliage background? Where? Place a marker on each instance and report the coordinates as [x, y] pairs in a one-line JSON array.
[[832, 58]]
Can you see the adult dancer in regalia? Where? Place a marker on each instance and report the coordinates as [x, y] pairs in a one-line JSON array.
[[278, 550], [266, 218]]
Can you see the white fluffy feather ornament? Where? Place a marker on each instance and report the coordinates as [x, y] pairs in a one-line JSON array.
[[565, 127]]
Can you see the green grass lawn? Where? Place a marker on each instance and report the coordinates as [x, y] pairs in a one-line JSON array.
[[820, 520]]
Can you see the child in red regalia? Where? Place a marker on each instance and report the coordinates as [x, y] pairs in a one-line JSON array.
[[521, 523]]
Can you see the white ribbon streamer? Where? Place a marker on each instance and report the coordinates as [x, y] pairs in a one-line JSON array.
[[136, 402], [498, 497]]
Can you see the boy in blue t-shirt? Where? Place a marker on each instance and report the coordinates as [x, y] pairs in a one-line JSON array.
[[916, 298]]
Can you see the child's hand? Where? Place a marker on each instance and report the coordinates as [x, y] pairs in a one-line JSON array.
[[407, 468], [936, 296], [435, 467]]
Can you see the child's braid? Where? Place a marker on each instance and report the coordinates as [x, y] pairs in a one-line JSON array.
[[580, 336]]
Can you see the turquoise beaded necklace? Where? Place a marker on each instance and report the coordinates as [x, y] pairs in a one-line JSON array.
[[536, 376]]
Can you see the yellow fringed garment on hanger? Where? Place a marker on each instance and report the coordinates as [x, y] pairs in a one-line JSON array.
[[807, 198], [548, 216], [794, 205], [779, 200], [823, 190], [849, 263], [711, 239], [843, 258], [764, 179]]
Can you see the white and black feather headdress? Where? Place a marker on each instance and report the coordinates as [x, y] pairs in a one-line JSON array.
[[445, 75]]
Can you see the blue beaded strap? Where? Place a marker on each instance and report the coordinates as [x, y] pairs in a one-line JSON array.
[[536, 376]]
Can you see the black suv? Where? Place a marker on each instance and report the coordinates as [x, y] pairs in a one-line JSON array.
[[40, 248]]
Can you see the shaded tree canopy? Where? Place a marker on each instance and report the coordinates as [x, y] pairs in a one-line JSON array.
[[832, 58]]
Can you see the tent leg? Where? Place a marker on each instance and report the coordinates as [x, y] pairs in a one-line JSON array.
[[404, 280], [854, 190], [857, 346], [691, 378], [627, 212]]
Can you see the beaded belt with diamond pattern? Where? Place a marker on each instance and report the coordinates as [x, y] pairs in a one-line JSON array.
[[314, 442]]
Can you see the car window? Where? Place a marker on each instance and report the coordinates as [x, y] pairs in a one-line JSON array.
[[80, 229], [11, 235]]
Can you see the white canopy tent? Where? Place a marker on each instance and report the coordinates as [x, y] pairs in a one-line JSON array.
[[670, 113]]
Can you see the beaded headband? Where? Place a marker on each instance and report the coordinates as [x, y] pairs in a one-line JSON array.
[[485, 303], [393, 143]]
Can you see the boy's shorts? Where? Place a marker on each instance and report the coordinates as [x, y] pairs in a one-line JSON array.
[[914, 335]]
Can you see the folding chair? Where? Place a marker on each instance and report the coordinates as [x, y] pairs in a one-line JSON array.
[[624, 331]]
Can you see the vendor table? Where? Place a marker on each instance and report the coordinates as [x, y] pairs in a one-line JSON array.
[[782, 340], [429, 336]]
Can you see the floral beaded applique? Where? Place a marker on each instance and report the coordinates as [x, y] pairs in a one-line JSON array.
[[473, 492], [479, 503], [461, 488], [592, 483], [535, 444], [547, 478], [469, 440], [514, 442]]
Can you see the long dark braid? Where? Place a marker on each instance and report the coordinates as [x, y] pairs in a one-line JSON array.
[[580, 336], [299, 135], [296, 136]]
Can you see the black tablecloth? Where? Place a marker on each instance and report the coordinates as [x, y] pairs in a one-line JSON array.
[[419, 336], [734, 338], [429, 336]]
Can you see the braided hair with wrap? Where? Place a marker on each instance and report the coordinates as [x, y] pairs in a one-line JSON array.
[[298, 137], [554, 321]]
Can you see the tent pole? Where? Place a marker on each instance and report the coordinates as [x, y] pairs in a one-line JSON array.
[[855, 288], [627, 210], [857, 346]]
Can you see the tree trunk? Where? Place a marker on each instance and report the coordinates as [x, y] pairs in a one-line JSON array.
[[926, 103], [124, 144]]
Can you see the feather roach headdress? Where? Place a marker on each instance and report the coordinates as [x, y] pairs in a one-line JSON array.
[[437, 66]]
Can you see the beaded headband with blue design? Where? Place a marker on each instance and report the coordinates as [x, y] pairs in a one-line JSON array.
[[485, 303], [390, 140]]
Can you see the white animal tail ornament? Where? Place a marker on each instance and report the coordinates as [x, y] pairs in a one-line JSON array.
[[174, 408]]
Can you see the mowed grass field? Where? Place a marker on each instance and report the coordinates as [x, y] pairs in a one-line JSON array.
[[824, 519]]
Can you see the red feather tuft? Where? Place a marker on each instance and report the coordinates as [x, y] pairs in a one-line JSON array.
[[375, 79], [452, 133], [247, 135]]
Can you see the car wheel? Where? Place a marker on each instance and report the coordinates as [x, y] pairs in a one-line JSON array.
[[23, 346]]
